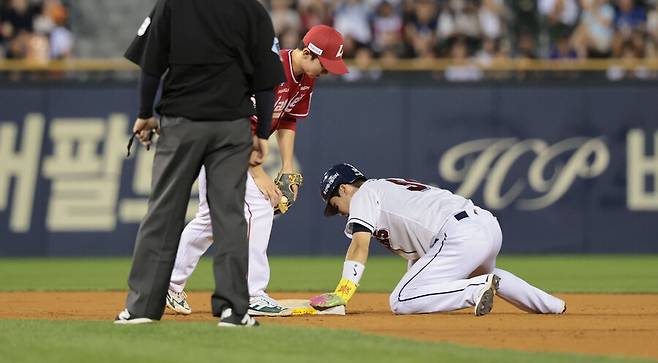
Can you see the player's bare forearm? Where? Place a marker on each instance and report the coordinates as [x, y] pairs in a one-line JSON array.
[[257, 171], [358, 250], [265, 184], [286, 141]]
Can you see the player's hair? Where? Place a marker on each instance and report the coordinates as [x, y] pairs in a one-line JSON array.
[[359, 182], [302, 46]]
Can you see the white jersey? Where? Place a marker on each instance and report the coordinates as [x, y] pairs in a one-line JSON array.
[[403, 215]]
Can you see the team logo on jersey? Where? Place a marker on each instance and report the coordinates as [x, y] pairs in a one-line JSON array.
[[145, 25]]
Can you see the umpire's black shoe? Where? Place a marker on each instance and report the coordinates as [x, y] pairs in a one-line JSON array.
[[124, 317], [229, 319]]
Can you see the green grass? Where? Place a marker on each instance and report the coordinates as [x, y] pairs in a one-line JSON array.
[[571, 273], [94, 341]]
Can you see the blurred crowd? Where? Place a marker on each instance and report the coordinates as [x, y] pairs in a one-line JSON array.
[[389, 30], [477, 29], [34, 30]]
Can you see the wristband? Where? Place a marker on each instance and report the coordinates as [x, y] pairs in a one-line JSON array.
[[345, 290], [353, 271]]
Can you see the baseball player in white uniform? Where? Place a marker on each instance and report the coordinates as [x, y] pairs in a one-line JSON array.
[[450, 245]]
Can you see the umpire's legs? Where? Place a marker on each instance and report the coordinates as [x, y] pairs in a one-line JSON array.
[[226, 166], [178, 158]]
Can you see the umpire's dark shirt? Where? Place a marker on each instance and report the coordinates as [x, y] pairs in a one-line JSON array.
[[217, 54]]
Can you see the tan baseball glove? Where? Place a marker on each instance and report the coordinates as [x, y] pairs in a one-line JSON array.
[[285, 181]]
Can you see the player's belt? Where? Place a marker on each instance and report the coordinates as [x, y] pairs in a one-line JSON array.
[[461, 215]]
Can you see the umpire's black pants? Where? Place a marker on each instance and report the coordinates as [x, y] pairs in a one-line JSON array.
[[183, 146]]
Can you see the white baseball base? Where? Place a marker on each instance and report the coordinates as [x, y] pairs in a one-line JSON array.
[[303, 307]]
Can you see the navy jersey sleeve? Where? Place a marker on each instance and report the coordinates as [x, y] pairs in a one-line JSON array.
[[268, 70], [150, 48]]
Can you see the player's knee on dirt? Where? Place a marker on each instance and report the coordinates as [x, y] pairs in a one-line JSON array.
[[397, 306]]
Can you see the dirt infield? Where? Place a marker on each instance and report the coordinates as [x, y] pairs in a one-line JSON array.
[[619, 325]]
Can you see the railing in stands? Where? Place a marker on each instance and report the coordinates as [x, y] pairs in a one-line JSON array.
[[405, 65]]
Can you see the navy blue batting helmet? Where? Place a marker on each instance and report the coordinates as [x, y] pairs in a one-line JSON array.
[[333, 178]]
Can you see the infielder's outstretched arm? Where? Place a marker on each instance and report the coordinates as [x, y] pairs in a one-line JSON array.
[[288, 180], [286, 141]]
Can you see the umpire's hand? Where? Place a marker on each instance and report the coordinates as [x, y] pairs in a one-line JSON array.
[[143, 127], [259, 152]]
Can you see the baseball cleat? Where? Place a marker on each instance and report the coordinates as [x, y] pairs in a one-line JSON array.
[[124, 318], [177, 302], [228, 319], [484, 302], [264, 305]]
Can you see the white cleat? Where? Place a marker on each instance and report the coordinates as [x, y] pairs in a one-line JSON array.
[[264, 305], [177, 302], [484, 302]]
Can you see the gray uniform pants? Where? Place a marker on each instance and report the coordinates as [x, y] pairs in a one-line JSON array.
[[183, 146]]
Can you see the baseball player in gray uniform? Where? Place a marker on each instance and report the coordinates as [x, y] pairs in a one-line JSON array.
[[450, 244]]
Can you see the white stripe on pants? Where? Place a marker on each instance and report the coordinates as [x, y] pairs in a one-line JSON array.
[[441, 279], [197, 238]]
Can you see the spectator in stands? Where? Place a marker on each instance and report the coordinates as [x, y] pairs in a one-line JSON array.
[[285, 18], [630, 22], [289, 39], [364, 69], [652, 32], [420, 30], [492, 15], [16, 25], [559, 17], [351, 19], [459, 20], [387, 28], [35, 31], [462, 70], [629, 16], [487, 52], [313, 12], [526, 47], [52, 23], [524, 14], [630, 54], [593, 37], [563, 49]]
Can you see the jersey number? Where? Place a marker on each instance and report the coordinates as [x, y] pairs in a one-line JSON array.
[[382, 236], [411, 185]]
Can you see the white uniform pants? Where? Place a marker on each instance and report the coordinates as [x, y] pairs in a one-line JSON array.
[[444, 279], [197, 238]]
